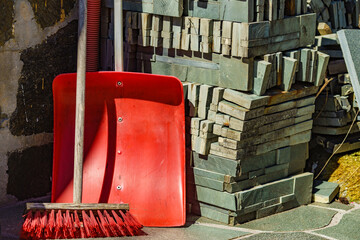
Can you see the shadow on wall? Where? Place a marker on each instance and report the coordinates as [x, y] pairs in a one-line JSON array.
[[30, 172], [34, 111]]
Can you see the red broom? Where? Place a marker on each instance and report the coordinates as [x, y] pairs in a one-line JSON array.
[[77, 220], [69, 223]]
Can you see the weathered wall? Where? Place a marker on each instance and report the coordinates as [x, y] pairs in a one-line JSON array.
[[37, 42]]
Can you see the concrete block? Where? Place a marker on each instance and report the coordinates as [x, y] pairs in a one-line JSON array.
[[211, 115], [221, 199], [307, 29], [248, 101], [240, 112], [217, 129], [262, 71], [239, 77], [241, 125], [194, 132], [283, 155], [284, 26], [303, 184], [324, 192], [218, 150], [289, 70], [217, 96], [304, 72], [202, 145], [256, 173], [208, 183], [206, 27], [217, 176], [217, 164]]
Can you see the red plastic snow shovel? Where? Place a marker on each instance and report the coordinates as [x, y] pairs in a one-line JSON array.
[[134, 146], [134, 142]]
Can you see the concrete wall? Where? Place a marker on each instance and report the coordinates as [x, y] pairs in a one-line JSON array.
[[37, 42]]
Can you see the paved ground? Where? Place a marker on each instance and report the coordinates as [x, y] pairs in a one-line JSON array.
[[311, 222]]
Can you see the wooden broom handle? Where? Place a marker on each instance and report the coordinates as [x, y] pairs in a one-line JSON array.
[[80, 103]]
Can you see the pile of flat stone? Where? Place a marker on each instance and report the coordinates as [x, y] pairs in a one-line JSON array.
[[241, 144], [336, 106], [333, 15]]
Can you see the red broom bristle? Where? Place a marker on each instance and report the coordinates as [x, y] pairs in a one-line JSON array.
[[135, 225], [120, 224], [49, 229], [103, 224], [68, 226], [28, 220], [35, 224], [80, 226], [127, 223], [135, 221], [77, 225], [96, 225], [112, 224], [26, 227], [59, 225], [39, 231], [86, 220]]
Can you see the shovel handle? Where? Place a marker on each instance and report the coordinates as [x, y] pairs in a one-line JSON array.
[[80, 103]]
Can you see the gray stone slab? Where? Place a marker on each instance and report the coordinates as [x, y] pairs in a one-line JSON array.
[[266, 192], [302, 218], [305, 56], [303, 188], [190, 232], [349, 42], [335, 130], [239, 112], [209, 183], [307, 29], [289, 70], [262, 77], [284, 236], [324, 191], [347, 229], [298, 156], [220, 199], [217, 164], [249, 101]]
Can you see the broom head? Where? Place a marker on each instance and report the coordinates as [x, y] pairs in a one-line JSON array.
[[68, 221]]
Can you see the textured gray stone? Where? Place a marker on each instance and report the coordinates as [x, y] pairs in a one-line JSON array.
[[349, 42]]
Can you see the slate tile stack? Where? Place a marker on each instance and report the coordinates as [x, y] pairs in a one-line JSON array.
[[336, 106], [241, 144], [250, 81], [333, 15]]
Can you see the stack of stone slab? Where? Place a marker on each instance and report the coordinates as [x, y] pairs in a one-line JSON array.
[[242, 146], [333, 15], [237, 39], [206, 51], [228, 10], [336, 106]]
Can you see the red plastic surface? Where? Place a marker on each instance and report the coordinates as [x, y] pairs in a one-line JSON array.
[[138, 159]]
